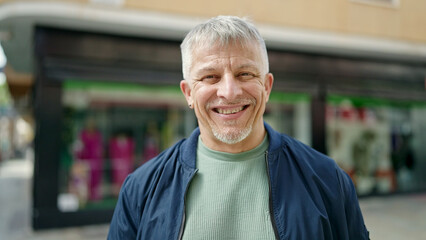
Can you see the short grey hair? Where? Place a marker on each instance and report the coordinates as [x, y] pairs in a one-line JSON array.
[[222, 30]]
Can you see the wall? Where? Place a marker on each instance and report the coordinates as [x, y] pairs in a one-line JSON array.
[[402, 21], [405, 21]]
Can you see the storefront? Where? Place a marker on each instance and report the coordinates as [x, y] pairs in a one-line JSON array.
[[105, 104], [379, 142]]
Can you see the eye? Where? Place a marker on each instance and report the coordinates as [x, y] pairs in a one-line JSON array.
[[210, 78], [246, 75]]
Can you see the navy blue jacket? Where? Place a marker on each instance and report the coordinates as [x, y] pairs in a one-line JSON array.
[[310, 197]]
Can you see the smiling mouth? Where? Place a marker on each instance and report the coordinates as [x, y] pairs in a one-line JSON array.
[[228, 111]]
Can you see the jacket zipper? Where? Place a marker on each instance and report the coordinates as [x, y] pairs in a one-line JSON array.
[[182, 225], [271, 208]]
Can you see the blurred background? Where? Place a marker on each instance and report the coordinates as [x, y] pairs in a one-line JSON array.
[[89, 91]]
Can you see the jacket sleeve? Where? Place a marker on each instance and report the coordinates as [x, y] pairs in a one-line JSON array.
[[354, 219], [124, 223]]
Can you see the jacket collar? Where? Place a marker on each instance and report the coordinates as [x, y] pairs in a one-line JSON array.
[[188, 148], [275, 142]]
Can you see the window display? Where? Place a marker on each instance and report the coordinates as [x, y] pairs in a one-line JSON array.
[[377, 142], [121, 148]]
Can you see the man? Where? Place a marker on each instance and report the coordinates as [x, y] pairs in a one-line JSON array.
[[235, 177]]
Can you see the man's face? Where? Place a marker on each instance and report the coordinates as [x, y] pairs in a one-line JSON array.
[[228, 89]]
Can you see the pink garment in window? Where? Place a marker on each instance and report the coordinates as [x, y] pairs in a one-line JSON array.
[[121, 152], [91, 153]]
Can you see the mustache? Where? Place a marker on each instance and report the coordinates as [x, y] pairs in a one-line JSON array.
[[238, 101]]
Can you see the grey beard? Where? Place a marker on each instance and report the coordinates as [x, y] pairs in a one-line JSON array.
[[230, 138]]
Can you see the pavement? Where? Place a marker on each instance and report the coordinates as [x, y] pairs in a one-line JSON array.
[[393, 217]]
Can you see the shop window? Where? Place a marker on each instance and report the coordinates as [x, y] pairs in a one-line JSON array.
[[108, 130], [379, 143]]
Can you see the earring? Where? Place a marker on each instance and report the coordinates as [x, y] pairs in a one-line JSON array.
[[190, 105]]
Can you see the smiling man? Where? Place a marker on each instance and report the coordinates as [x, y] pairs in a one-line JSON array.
[[235, 177]]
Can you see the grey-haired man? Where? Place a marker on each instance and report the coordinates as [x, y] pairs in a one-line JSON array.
[[235, 177]]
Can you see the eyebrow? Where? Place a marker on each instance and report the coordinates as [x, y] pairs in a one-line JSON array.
[[206, 69], [246, 65]]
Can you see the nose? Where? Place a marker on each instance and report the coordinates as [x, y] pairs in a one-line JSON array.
[[229, 87]]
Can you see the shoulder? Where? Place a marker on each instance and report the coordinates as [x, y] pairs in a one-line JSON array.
[[315, 176]]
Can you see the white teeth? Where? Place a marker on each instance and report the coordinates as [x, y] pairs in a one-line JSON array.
[[229, 110]]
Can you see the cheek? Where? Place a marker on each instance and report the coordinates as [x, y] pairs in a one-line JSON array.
[[257, 91], [202, 95]]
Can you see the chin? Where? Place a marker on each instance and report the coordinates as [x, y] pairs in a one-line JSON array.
[[232, 136]]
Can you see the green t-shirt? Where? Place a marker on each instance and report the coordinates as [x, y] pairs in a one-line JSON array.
[[228, 197]]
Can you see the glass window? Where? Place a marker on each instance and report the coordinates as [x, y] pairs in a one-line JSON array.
[[109, 129], [378, 142]]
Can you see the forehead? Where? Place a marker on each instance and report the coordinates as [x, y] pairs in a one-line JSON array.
[[237, 52]]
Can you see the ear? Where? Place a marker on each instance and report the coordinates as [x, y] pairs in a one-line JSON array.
[[269, 81], [186, 90]]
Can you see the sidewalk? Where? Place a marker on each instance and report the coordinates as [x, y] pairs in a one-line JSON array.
[[395, 217], [15, 195], [387, 218], [97, 232]]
